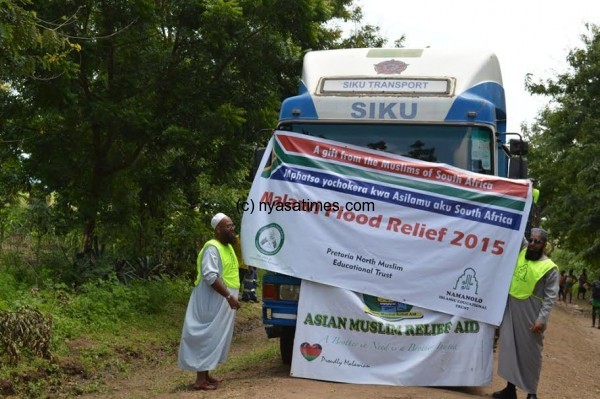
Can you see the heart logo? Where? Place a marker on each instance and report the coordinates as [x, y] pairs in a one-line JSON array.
[[310, 351]]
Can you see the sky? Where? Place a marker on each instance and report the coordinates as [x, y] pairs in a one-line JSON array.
[[528, 36]]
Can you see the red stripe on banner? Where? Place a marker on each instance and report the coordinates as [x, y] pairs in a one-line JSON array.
[[436, 173]]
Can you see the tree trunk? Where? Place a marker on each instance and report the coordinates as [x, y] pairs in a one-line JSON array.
[[88, 235]]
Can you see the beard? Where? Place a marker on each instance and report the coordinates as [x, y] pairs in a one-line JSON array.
[[229, 237], [532, 254]]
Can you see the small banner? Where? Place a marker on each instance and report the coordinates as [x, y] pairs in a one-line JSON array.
[[412, 231], [356, 338]]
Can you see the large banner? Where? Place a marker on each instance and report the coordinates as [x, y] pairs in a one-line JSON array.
[[426, 233], [357, 338]]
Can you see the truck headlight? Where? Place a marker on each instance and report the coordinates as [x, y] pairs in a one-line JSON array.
[[289, 292]]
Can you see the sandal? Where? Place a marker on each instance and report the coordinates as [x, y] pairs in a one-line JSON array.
[[213, 380], [205, 386]]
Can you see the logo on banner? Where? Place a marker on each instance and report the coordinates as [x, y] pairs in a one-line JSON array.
[[388, 309], [464, 292], [269, 239], [310, 351], [467, 281]]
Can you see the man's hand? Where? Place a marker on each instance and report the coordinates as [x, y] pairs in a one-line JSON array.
[[233, 303], [537, 327]]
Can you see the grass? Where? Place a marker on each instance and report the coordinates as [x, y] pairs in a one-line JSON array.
[[103, 327], [251, 358], [107, 328]]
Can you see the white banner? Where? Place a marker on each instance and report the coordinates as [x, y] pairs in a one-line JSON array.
[[426, 233], [350, 337]]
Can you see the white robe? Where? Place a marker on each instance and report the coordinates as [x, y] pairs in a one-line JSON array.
[[520, 354], [208, 325]]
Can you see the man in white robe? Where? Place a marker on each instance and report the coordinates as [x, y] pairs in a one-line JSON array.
[[209, 319], [532, 294]]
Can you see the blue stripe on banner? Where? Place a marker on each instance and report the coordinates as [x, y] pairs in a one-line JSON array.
[[398, 196]]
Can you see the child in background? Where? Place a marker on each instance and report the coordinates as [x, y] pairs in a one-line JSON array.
[[569, 283]]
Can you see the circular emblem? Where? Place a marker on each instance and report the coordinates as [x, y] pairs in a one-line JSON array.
[[382, 305], [269, 239], [388, 309]]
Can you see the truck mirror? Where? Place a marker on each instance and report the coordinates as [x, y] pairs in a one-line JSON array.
[[517, 168], [518, 147]]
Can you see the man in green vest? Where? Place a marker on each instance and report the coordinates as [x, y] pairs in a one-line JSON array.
[[533, 291], [209, 319]]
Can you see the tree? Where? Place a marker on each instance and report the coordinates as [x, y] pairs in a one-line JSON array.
[[565, 146], [29, 46], [364, 36], [162, 101]]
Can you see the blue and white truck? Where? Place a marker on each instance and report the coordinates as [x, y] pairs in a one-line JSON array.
[[443, 106]]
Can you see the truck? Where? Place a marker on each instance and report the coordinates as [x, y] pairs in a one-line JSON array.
[[435, 105]]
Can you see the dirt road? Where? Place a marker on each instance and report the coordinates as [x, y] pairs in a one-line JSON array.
[[571, 370]]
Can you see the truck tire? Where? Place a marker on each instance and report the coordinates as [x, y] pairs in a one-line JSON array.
[[286, 344]]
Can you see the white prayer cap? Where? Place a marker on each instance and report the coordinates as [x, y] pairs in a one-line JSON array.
[[541, 232], [217, 219]]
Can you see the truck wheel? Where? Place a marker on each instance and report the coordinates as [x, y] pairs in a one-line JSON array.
[[286, 344]]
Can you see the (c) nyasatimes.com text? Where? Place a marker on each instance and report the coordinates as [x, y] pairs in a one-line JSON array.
[[306, 205]]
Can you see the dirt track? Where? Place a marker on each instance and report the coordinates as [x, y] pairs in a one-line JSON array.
[[571, 370]]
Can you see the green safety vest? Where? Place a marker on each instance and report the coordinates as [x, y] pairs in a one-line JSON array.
[[527, 274], [230, 273]]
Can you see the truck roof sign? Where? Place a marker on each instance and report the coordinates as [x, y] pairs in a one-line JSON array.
[[383, 86]]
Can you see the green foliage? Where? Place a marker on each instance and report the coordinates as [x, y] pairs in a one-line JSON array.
[[10, 290], [31, 47], [564, 155], [106, 302], [101, 327], [568, 260], [144, 123], [19, 270], [142, 268]]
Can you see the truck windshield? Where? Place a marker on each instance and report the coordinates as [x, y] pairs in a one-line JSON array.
[[466, 147]]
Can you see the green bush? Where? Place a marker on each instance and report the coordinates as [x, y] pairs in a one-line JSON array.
[[567, 260], [10, 290]]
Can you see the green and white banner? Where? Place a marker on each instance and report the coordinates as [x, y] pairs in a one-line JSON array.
[[357, 338], [412, 231]]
